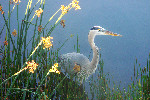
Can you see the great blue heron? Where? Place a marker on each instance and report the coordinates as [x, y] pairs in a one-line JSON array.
[[76, 63]]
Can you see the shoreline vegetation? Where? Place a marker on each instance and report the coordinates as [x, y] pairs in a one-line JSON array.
[[35, 74]]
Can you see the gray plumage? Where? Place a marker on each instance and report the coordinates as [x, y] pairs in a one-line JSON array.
[[69, 60]]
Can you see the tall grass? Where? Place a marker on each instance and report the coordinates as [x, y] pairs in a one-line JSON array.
[[41, 83]]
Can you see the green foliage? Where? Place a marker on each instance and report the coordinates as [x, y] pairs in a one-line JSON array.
[[42, 85]]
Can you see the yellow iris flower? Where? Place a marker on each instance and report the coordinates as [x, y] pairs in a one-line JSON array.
[[47, 43], [54, 69], [75, 4], [16, 1], [5, 43], [38, 12], [14, 33], [30, 65], [2, 12], [65, 9]]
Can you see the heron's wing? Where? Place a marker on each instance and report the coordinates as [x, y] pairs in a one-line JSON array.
[[69, 60]]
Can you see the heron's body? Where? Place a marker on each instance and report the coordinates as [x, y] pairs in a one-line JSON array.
[[69, 60]]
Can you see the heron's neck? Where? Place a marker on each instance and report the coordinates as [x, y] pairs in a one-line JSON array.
[[95, 49]]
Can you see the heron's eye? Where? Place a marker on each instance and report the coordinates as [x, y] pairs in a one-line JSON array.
[[93, 28]]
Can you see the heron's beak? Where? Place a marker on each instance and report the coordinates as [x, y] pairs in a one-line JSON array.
[[112, 34]]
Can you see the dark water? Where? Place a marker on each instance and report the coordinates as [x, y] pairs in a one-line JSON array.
[[130, 18]]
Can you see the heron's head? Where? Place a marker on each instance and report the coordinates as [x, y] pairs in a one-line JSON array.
[[98, 30]]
